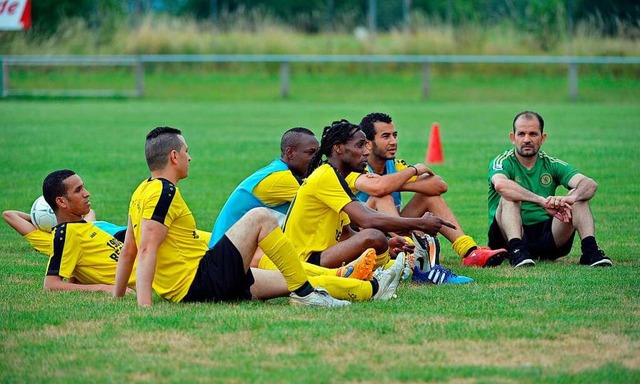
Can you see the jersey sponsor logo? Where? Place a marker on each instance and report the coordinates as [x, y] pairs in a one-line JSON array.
[[116, 247], [497, 167], [545, 179]]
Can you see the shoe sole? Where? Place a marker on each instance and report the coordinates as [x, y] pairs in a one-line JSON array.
[[602, 263], [495, 260], [525, 263]]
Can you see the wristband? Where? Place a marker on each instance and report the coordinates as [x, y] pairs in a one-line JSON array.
[[416, 169]]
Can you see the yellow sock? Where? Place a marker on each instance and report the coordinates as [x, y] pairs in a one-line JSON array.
[[463, 244], [281, 252], [381, 260], [316, 270], [344, 289]]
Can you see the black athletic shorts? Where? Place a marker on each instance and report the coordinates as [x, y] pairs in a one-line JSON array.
[[120, 235], [314, 258], [538, 239], [221, 276]]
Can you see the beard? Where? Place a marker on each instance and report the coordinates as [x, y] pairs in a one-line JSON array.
[[532, 152]]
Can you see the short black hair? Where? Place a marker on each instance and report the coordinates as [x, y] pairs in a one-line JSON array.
[[160, 142], [367, 123], [53, 186], [339, 132], [529, 115], [291, 137]]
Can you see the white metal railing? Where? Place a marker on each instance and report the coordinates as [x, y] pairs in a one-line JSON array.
[[138, 62]]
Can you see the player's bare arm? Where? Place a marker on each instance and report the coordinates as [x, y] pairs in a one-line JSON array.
[[57, 283], [387, 184], [125, 262], [512, 191], [152, 235], [428, 185], [367, 218], [20, 221]]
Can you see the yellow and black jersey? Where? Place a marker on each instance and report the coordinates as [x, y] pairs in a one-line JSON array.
[[179, 254], [277, 188], [315, 220], [40, 241], [85, 252]]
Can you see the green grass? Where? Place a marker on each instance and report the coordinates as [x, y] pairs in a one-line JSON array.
[[556, 323]]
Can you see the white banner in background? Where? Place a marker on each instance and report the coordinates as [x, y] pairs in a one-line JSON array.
[[15, 14]]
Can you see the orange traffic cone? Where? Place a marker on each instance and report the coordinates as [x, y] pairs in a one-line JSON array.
[[434, 151]]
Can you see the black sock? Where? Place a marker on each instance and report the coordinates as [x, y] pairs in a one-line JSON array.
[[470, 250], [304, 290], [589, 245], [515, 243], [375, 287]]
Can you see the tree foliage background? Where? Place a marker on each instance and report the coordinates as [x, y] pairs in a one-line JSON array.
[[318, 15]]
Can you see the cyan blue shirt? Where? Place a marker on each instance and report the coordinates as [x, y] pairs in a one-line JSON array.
[[242, 200]]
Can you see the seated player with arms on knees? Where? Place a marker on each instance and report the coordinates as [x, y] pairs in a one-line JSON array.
[[383, 193], [83, 257], [525, 214], [318, 222], [170, 259]]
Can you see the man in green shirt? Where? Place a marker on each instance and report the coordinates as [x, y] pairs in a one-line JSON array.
[[525, 214]]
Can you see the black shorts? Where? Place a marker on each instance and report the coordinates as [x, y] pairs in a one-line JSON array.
[[538, 239], [220, 276], [314, 258], [120, 235]]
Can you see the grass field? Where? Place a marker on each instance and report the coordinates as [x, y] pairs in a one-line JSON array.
[[556, 323]]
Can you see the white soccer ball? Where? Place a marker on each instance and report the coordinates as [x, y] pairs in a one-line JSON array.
[[42, 215]]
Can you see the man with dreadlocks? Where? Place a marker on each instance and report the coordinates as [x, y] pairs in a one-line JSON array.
[[318, 222]]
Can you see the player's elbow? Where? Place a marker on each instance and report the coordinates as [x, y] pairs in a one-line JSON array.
[[51, 283], [501, 186]]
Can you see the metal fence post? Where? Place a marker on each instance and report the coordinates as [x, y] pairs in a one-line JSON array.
[[139, 77], [426, 80], [285, 74], [573, 81], [5, 78]]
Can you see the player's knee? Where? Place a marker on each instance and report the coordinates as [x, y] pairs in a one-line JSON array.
[[374, 238], [262, 216]]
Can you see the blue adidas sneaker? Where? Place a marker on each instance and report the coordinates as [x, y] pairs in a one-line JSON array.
[[438, 275]]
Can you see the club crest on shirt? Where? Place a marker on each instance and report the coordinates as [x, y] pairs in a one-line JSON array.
[[545, 179]]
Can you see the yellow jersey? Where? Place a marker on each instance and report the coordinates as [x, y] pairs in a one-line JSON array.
[[315, 219], [40, 241], [85, 252], [179, 254]]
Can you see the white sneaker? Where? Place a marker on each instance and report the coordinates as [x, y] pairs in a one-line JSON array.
[[389, 279], [318, 298], [427, 251]]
